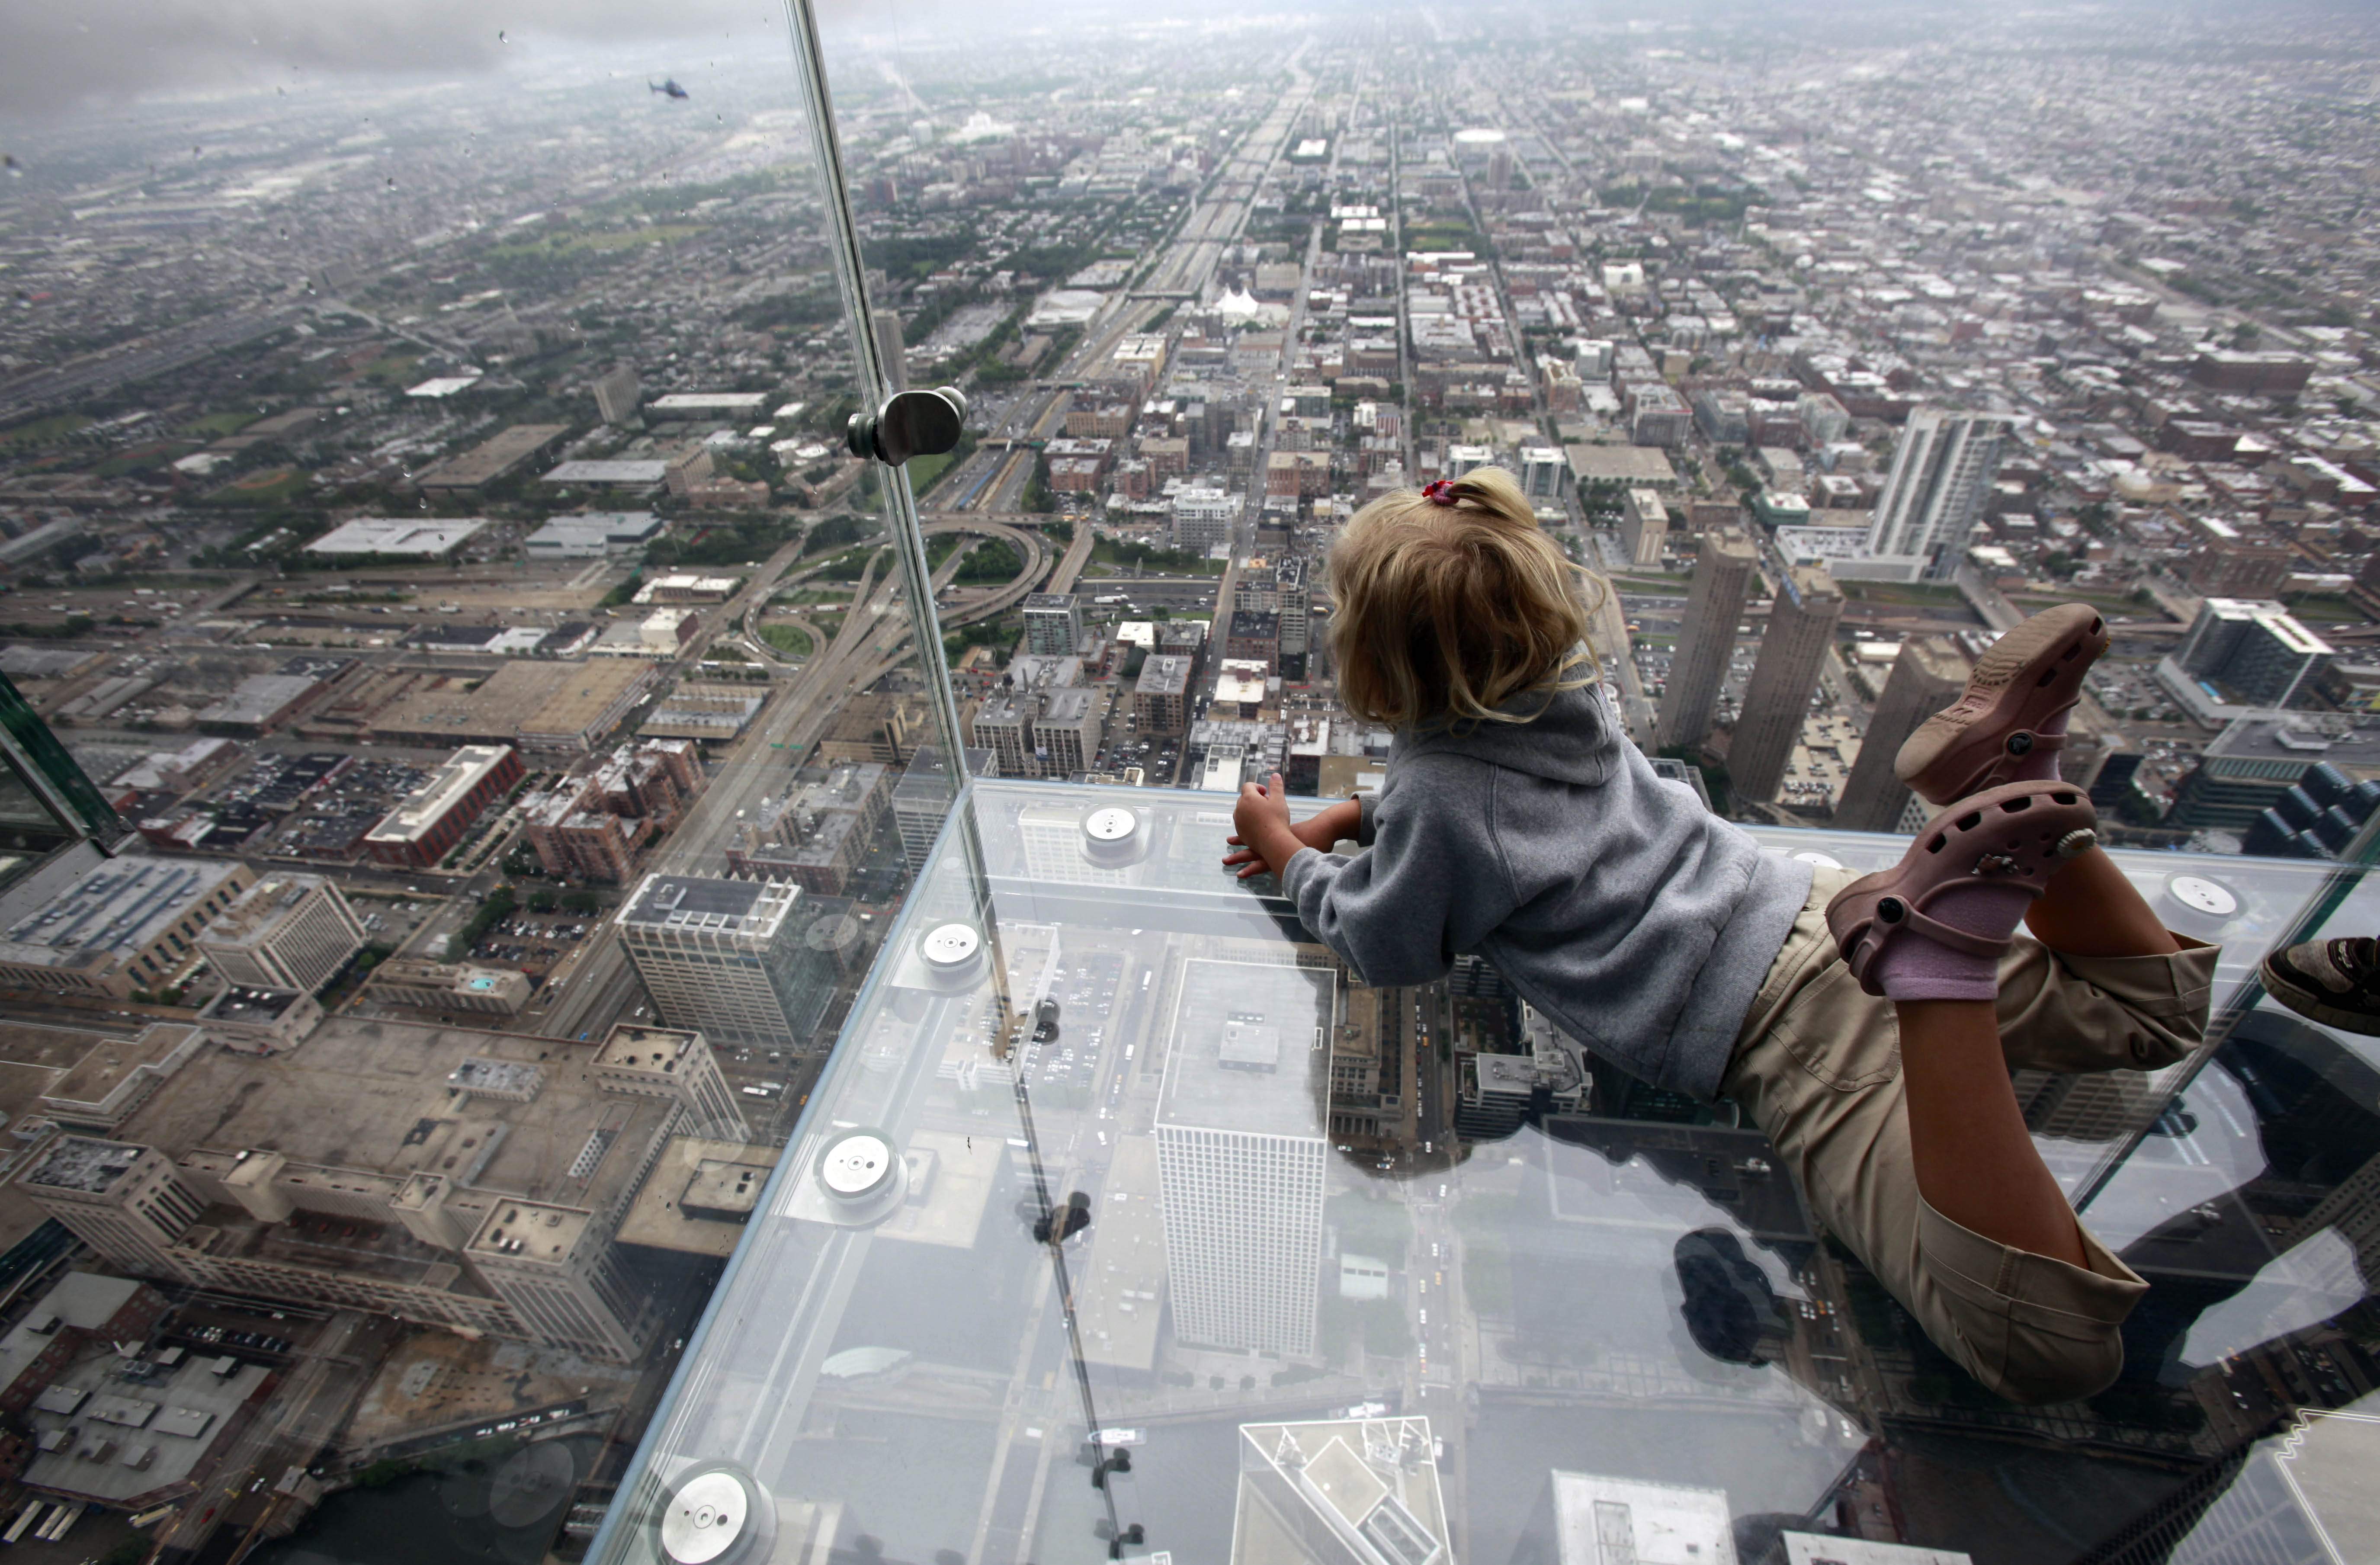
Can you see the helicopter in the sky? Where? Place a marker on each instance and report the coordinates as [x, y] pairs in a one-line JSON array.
[[670, 86]]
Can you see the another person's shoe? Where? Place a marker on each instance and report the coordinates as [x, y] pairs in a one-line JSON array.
[[2335, 982], [2010, 723]]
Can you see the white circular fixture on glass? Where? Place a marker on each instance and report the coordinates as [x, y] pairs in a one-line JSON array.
[[2211, 898], [952, 954], [862, 1177], [1817, 860], [716, 1515], [1112, 835], [854, 1164], [2197, 906]]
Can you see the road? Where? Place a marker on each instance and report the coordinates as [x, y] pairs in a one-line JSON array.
[[600, 982], [313, 1400]]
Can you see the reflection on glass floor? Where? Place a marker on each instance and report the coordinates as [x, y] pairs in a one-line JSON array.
[[1124, 1222]]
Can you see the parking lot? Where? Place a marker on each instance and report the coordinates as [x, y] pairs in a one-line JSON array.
[[1062, 1053], [534, 943]]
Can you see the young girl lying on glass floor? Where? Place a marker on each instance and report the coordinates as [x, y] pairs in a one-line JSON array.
[[1867, 1025]]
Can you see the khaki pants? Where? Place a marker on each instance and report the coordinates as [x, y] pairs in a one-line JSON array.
[[1817, 1067]]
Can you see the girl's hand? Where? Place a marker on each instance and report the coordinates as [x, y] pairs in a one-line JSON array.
[[1263, 834]]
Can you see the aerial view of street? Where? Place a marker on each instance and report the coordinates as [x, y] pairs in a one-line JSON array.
[[525, 785]]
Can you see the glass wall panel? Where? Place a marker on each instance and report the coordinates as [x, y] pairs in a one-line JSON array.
[[422, 467]]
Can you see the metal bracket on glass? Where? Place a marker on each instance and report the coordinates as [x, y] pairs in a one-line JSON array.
[[911, 423]]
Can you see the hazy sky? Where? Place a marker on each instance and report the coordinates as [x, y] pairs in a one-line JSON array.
[[55, 53]]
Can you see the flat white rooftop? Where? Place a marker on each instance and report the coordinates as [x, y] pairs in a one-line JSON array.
[[628, 472], [384, 536], [707, 402]]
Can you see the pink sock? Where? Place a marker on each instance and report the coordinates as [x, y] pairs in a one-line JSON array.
[[1912, 967]]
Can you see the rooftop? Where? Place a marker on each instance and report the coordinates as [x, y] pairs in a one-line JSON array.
[[396, 537], [104, 1083], [615, 529], [629, 474], [427, 806], [1249, 1046], [265, 905], [700, 1196], [84, 1163], [708, 402], [112, 910], [492, 457], [127, 1438], [632, 1047], [706, 904], [374, 1098]]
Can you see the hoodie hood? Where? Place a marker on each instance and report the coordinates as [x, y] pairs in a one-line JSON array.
[[1568, 736]]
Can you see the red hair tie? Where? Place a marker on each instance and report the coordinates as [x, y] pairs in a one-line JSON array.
[[1439, 491]]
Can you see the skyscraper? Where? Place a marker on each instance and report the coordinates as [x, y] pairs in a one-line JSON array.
[[1240, 1154], [554, 1265], [291, 931], [1801, 627], [1928, 676], [1706, 639], [2255, 651], [616, 396], [725, 958], [1941, 469], [1053, 624], [1294, 604]]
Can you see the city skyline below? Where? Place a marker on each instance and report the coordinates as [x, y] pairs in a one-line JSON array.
[[552, 975]]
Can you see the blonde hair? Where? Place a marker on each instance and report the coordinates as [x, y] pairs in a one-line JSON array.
[[1444, 612]]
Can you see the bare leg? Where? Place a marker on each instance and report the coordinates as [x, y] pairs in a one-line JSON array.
[[2089, 909], [1975, 1163]]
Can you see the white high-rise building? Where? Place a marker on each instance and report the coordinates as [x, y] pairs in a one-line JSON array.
[[1941, 470], [674, 1063], [1053, 624], [725, 958], [555, 1267], [1203, 519], [289, 932], [1241, 1152], [1295, 606]]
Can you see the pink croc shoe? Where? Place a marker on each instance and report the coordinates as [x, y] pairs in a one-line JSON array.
[[2030, 677], [2016, 835]]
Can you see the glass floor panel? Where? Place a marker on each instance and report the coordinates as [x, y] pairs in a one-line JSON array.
[[1126, 1222]]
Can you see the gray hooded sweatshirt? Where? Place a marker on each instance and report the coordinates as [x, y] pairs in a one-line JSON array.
[[1640, 923]]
